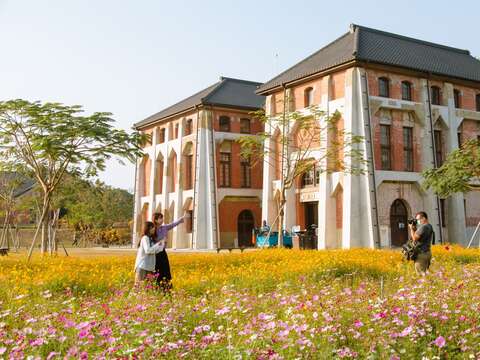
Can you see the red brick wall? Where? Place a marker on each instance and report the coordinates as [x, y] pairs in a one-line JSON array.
[[228, 212], [256, 126], [299, 93], [396, 141], [337, 85], [470, 129], [467, 97], [300, 212], [395, 84], [235, 169]]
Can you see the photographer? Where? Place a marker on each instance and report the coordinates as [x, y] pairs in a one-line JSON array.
[[422, 237]]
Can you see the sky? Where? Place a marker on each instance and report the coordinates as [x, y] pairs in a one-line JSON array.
[[134, 58]]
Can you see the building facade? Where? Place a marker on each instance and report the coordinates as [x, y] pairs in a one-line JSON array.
[[413, 102], [193, 164]]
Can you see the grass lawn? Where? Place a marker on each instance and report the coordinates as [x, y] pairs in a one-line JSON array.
[[268, 304]]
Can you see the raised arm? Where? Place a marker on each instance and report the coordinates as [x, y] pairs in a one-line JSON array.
[[175, 223]]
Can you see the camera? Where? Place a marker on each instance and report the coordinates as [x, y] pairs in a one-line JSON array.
[[412, 222]]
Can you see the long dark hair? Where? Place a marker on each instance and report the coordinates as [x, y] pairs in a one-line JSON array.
[[146, 230]]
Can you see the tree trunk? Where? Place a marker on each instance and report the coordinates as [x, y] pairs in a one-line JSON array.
[[4, 229], [45, 206], [281, 218]]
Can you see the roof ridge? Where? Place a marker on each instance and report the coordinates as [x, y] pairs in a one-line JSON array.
[[402, 37], [310, 56], [214, 90], [180, 101], [240, 80]]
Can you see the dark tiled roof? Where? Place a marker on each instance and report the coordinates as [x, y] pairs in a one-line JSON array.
[[365, 44], [22, 183], [227, 92]]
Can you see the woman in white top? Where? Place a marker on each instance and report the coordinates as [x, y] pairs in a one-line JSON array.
[[145, 262]]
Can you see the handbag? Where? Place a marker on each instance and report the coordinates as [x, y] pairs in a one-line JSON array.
[[410, 250]]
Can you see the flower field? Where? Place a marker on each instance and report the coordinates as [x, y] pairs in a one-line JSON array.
[[268, 304]]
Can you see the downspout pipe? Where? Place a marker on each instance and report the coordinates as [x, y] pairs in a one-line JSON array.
[[374, 181]]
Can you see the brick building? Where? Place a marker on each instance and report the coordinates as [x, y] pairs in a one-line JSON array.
[[193, 164], [413, 102]]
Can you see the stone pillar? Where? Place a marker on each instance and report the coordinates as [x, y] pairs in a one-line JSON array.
[[138, 204], [204, 236], [268, 202], [326, 227], [153, 172], [357, 207], [456, 226], [179, 231]]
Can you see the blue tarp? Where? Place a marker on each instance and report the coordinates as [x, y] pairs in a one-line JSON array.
[[273, 240]]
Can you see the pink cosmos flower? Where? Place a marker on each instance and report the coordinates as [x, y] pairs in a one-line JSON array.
[[358, 323], [440, 341], [3, 350]]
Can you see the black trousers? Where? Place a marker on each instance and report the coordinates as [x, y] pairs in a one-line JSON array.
[[162, 271]]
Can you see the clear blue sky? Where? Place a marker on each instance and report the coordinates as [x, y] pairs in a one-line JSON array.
[[133, 58]]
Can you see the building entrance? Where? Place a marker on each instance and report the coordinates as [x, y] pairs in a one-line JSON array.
[[311, 214]]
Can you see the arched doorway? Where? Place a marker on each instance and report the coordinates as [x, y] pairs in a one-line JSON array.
[[398, 223], [245, 225]]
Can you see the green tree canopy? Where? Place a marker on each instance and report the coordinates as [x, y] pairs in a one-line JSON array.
[[50, 139], [459, 173]]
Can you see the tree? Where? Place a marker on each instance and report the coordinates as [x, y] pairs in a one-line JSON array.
[[10, 183], [458, 173], [50, 139], [297, 142], [92, 206]]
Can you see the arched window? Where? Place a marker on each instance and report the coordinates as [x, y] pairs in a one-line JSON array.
[[477, 100], [224, 123], [406, 91], [383, 87], [245, 126], [435, 95], [308, 97], [457, 98], [311, 177]]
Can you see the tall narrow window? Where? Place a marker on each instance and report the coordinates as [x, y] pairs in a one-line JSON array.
[[176, 131], [189, 221], [311, 177], [188, 127], [224, 123], [245, 126], [477, 101], [459, 138], [188, 171], [383, 87], [385, 147], [308, 178], [435, 95], [438, 147], [406, 91], [308, 97], [408, 148], [162, 136], [457, 98], [246, 172], [225, 167]]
